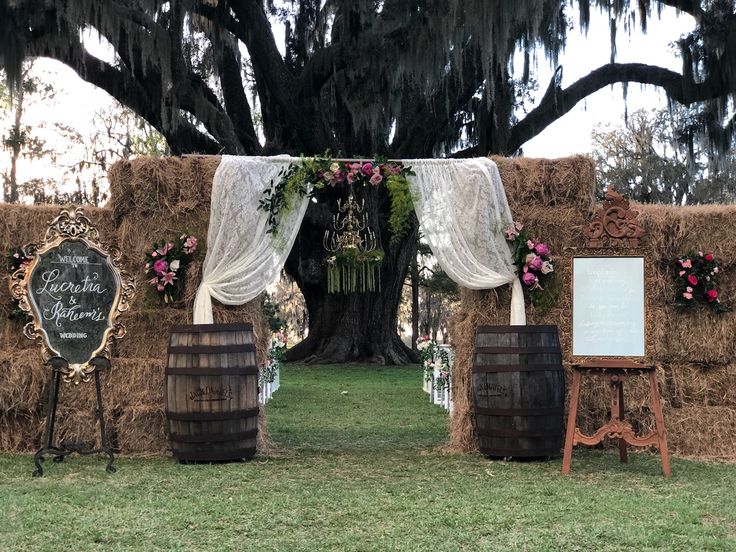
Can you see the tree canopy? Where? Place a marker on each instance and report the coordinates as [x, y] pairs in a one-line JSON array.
[[404, 78]]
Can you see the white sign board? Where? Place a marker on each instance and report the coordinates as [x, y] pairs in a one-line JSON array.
[[608, 306]]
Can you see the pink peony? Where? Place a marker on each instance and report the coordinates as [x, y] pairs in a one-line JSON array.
[[376, 179], [711, 295], [692, 279], [160, 266], [541, 249], [367, 169], [687, 295], [529, 279]]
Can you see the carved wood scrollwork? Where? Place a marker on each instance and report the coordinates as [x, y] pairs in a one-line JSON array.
[[614, 224]]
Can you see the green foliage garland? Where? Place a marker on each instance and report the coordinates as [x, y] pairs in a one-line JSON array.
[[320, 172], [351, 271]]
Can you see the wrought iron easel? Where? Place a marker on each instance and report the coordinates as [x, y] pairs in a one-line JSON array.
[[59, 365]]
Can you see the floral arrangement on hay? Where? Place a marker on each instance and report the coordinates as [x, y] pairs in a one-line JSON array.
[[166, 265], [695, 282], [535, 265], [274, 358]]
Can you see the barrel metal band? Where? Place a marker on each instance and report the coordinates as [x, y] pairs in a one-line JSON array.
[[215, 437], [510, 432], [511, 330], [517, 350], [201, 328], [211, 416], [212, 349], [518, 411], [520, 453], [516, 368], [214, 455], [213, 371]]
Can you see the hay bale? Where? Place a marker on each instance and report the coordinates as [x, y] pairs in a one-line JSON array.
[[702, 432], [23, 379], [142, 430], [548, 182], [20, 433]]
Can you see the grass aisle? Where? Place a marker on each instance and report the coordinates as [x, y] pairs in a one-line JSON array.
[[361, 469]]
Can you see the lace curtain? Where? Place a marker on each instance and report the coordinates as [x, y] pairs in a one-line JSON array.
[[242, 258], [461, 206], [462, 210]]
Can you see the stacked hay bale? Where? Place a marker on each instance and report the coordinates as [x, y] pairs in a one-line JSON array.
[[695, 350], [151, 199]]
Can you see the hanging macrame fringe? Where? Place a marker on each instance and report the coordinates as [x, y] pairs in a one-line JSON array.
[[354, 276]]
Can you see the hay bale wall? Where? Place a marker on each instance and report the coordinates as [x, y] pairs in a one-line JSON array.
[[695, 350], [151, 199]]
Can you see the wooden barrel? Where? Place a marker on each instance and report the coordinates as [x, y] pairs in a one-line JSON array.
[[212, 392], [518, 391]]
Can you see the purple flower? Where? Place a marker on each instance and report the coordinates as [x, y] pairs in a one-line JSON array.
[[529, 279], [535, 263], [541, 249], [367, 169]]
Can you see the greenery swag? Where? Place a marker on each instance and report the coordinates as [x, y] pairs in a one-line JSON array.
[[695, 280], [311, 175]]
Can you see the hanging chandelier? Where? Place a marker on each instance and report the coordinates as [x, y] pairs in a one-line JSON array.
[[355, 263]]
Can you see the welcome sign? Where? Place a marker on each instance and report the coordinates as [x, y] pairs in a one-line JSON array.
[[74, 290]]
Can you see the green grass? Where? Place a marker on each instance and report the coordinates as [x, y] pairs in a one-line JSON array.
[[362, 470]]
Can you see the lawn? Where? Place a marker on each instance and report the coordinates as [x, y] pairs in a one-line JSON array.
[[361, 468]]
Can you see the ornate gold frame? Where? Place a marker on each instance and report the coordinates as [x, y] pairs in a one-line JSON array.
[[73, 225]]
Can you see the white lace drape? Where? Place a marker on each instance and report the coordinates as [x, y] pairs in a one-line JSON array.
[[460, 204], [462, 210], [242, 259]]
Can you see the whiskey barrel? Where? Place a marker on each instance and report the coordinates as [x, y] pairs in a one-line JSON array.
[[212, 392], [518, 389]]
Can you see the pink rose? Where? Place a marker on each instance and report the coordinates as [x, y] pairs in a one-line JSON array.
[[530, 244], [681, 273], [376, 179], [529, 279], [711, 295], [367, 169], [160, 287], [687, 295], [692, 279], [686, 263], [160, 266], [536, 263], [541, 249]]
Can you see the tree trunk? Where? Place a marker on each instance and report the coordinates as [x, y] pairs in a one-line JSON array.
[[354, 327], [414, 304]]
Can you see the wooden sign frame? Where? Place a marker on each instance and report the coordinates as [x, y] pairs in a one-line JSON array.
[[645, 314], [73, 226]]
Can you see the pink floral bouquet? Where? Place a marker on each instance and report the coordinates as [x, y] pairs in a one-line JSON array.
[[695, 281], [166, 265], [535, 264]]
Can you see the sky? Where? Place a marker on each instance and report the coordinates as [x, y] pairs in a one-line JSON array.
[[76, 101]]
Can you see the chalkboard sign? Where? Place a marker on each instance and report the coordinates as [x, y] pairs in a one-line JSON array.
[[74, 289], [608, 306]]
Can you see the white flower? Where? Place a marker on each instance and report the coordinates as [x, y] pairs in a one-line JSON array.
[[547, 267], [334, 167], [174, 265]]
